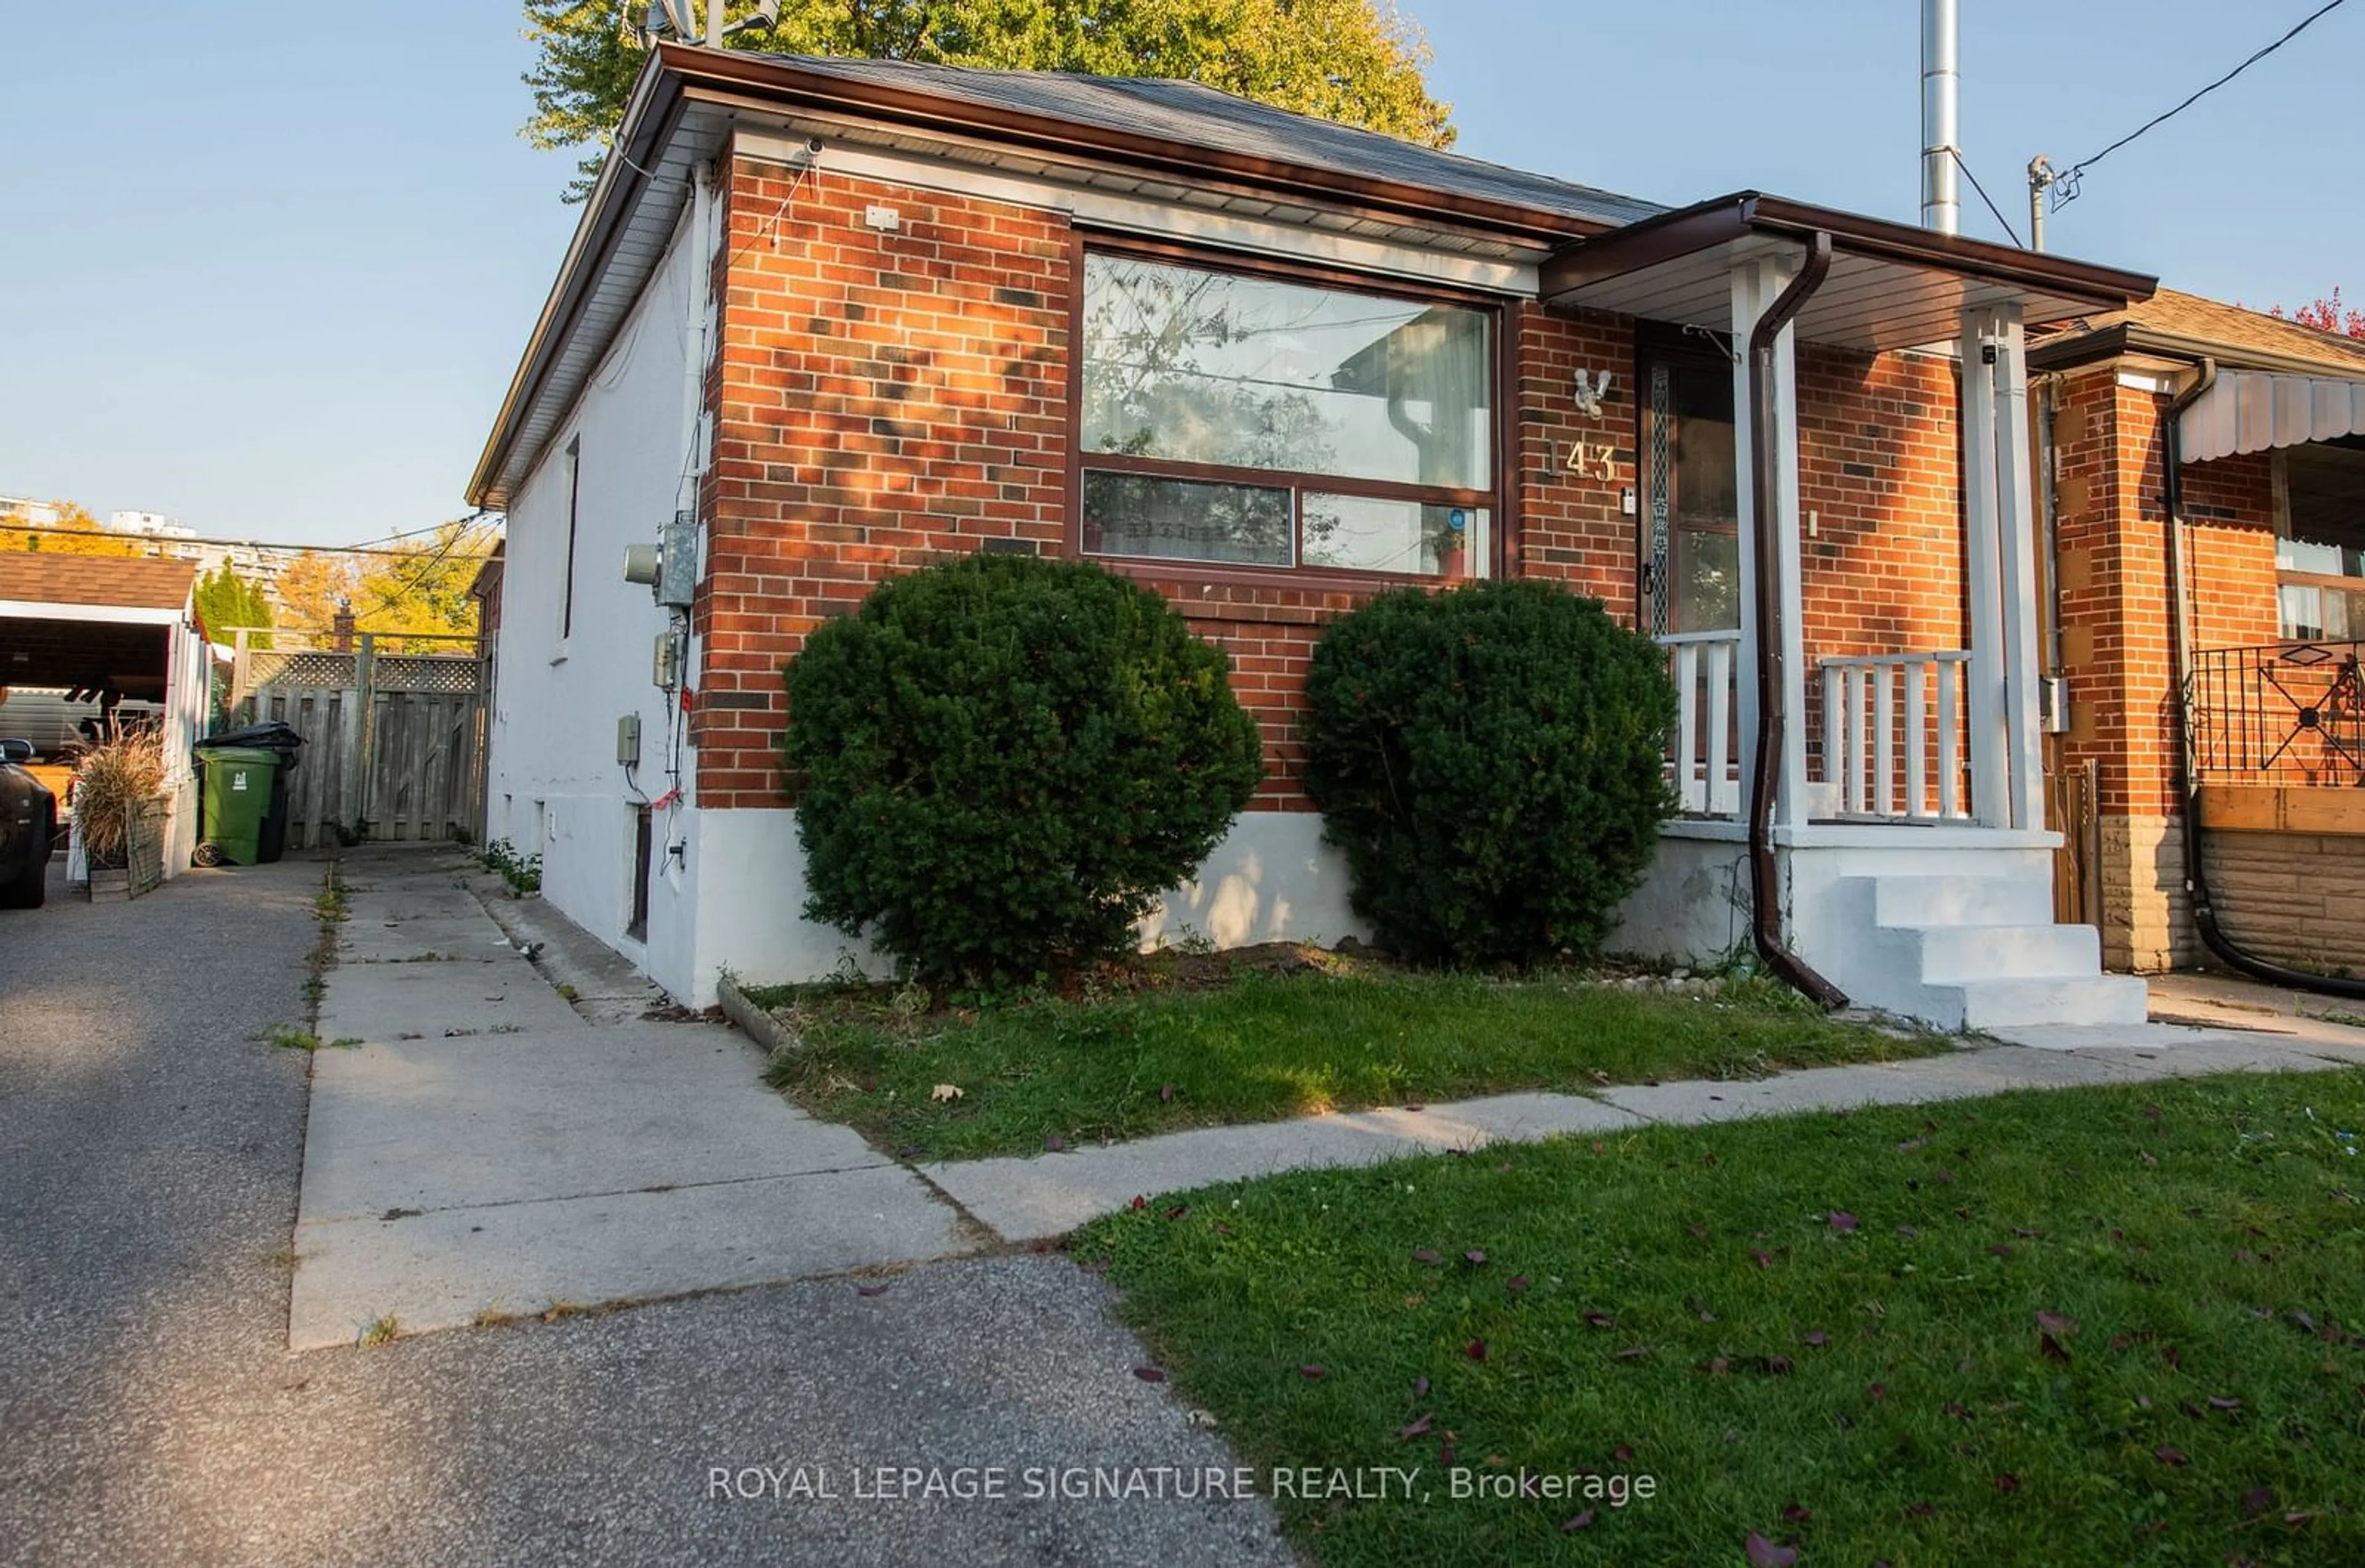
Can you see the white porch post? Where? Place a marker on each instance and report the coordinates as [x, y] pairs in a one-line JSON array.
[[1748, 303], [1790, 803], [2015, 511], [1983, 562]]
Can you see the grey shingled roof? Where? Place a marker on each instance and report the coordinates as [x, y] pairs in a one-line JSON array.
[[1196, 116]]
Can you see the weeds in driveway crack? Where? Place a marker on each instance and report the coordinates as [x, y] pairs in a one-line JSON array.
[[383, 1331], [288, 1038]]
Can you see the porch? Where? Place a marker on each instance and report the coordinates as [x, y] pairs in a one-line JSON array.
[[1893, 672]]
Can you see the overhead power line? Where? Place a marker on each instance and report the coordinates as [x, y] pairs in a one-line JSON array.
[[2000, 217], [10, 527], [2065, 188]]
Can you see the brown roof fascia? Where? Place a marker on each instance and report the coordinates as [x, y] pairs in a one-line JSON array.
[[1708, 224], [781, 86], [2066, 351]]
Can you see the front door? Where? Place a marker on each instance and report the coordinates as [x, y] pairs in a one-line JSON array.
[[1690, 519]]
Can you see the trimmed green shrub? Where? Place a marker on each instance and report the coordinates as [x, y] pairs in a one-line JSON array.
[[1491, 760], [999, 761]]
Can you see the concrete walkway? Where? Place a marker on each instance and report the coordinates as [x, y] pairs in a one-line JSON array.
[[489, 1150], [1048, 1195], [481, 1150]]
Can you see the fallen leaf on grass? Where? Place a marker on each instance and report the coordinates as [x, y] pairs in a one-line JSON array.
[[1427, 1255], [2055, 1323], [1139, 1202], [1815, 1337], [1764, 1553], [2000, 1250], [1580, 1521], [2258, 1500], [1920, 1510], [1310, 1372], [1797, 1513], [1601, 1319], [1778, 1365], [2051, 1348], [1178, 1210], [1166, 1094], [2166, 1455], [1421, 1388], [1764, 1259], [1880, 1392], [2007, 1483], [1910, 1145], [1419, 1428], [1842, 1221], [944, 1091], [1149, 1374], [1054, 1143], [1474, 1258], [1515, 1284], [2221, 1402], [1633, 1352]]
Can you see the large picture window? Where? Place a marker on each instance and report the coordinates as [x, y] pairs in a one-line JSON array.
[[1252, 421]]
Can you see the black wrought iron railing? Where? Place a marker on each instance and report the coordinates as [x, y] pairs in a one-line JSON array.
[[2280, 713]]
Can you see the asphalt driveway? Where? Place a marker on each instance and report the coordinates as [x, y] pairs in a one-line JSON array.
[[149, 1148]]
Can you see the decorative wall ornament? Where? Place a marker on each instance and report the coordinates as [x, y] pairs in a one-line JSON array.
[[1590, 392]]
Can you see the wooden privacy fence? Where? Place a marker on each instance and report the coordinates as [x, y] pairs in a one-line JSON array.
[[394, 740]]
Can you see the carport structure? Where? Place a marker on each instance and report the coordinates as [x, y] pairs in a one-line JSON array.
[[122, 628]]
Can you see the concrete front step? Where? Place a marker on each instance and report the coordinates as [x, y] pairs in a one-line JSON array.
[[1960, 900], [2089, 999], [1957, 954]]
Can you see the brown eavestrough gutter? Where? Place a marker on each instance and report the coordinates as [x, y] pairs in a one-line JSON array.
[[1708, 224], [1765, 894], [2069, 351]]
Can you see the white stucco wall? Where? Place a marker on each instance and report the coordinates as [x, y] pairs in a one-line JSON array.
[[553, 785], [1271, 879]]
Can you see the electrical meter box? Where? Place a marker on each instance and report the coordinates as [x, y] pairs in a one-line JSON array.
[[676, 583], [628, 741]]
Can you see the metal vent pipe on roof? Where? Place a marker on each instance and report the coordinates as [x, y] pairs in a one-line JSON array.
[[1942, 82]]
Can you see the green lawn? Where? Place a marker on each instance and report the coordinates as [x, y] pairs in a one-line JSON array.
[[2081, 1326], [1260, 1046]]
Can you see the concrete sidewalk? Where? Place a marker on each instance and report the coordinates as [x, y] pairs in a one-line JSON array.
[[483, 1150], [1048, 1194]]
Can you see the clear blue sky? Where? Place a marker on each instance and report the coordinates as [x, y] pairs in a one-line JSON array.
[[270, 265]]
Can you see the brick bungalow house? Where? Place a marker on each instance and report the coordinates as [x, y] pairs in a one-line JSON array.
[[826, 319], [2258, 425]]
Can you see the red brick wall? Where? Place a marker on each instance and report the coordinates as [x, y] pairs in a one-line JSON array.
[[885, 397], [2231, 570], [1571, 527], [1879, 467]]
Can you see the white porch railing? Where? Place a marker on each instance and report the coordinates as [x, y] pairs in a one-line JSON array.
[[1893, 737], [1704, 761]]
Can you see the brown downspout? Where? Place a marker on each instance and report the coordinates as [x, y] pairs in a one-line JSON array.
[[1764, 898]]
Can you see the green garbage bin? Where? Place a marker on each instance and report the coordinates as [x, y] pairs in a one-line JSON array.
[[236, 801]]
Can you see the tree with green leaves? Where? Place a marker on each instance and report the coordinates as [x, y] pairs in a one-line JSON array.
[[227, 600], [1356, 61]]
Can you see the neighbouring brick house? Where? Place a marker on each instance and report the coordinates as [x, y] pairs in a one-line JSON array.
[[823, 320], [2268, 461]]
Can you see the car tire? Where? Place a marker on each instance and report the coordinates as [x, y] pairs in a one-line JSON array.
[[32, 888]]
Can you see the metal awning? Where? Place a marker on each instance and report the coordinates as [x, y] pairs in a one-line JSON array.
[[1891, 286], [2257, 410]]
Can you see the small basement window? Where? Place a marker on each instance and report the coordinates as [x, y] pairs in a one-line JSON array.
[[1246, 421], [2320, 559]]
